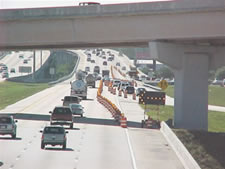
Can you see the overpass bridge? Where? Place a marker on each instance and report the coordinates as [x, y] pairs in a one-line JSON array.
[[187, 35]]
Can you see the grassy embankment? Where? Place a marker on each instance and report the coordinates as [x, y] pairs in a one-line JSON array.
[[216, 95], [207, 148], [11, 92]]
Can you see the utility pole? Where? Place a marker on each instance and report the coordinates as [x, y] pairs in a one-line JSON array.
[[34, 63], [41, 57]]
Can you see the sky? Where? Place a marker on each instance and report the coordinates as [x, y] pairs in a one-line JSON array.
[[8, 4]]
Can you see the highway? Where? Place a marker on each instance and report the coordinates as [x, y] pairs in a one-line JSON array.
[[96, 142], [14, 61]]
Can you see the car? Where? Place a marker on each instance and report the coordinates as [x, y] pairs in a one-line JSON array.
[[87, 69], [71, 99], [88, 59], [140, 90], [21, 56], [61, 115], [103, 57], [104, 63], [92, 61], [12, 70], [96, 69], [129, 89], [8, 125], [123, 68], [116, 83], [3, 68], [25, 61], [5, 75], [110, 59], [77, 109], [123, 85], [118, 64], [53, 135]]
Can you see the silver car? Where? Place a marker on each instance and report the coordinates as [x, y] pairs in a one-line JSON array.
[[53, 135], [8, 125], [77, 109]]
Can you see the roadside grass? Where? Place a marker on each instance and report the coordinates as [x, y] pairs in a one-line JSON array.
[[216, 94], [11, 92], [216, 120], [207, 148]]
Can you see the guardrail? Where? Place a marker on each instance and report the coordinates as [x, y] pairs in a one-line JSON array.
[[68, 76]]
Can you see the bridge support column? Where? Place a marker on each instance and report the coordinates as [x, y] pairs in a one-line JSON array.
[[190, 65], [191, 93]]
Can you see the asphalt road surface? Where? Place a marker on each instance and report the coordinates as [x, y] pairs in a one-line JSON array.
[[96, 142]]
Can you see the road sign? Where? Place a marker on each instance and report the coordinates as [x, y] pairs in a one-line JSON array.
[[152, 97], [24, 69], [52, 71], [163, 84]]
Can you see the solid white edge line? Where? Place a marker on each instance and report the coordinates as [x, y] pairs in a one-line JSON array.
[[131, 150]]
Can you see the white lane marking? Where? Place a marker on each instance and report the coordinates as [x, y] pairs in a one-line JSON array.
[[131, 150]]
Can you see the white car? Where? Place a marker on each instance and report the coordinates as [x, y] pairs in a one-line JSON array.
[[77, 109], [8, 125], [53, 135]]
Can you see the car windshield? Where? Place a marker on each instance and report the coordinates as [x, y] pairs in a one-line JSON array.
[[62, 111], [53, 130], [5, 120], [74, 99], [76, 106]]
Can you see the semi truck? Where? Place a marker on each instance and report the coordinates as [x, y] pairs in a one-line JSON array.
[[90, 79]]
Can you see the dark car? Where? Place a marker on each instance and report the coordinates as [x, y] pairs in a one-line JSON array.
[[61, 115], [88, 59], [130, 89], [104, 63], [71, 99], [140, 90], [92, 61]]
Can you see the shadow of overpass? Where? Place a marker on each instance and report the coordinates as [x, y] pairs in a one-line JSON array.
[[81, 120]]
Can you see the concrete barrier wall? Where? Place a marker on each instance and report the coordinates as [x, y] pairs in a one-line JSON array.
[[181, 151]]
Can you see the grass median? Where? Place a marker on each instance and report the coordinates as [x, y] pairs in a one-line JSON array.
[[11, 92], [216, 94]]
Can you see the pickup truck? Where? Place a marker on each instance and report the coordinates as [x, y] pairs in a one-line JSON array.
[[61, 115]]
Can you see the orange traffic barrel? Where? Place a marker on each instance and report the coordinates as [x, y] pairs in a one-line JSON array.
[[125, 94], [120, 93], [123, 122], [134, 96]]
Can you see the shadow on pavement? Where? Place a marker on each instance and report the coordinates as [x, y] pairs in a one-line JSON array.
[[84, 120], [96, 121], [29, 116], [1, 163], [10, 138], [58, 149]]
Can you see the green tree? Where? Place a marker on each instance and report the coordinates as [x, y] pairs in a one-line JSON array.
[[164, 72], [220, 73]]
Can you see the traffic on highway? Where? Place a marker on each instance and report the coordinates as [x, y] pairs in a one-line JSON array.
[[92, 120]]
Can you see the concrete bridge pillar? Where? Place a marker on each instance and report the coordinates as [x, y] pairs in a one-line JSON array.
[[191, 92], [190, 65]]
